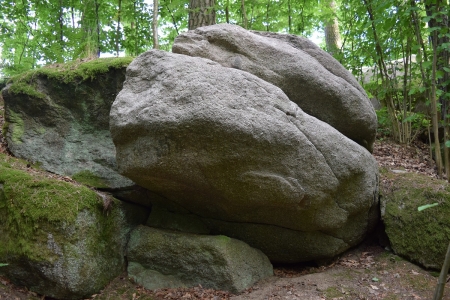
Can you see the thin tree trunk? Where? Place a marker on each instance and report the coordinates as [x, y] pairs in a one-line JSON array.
[[406, 125], [73, 17], [289, 17], [155, 25], [442, 62], [244, 15], [134, 26], [61, 22], [119, 12], [227, 12], [174, 23], [434, 112], [386, 82], [446, 151], [61, 32], [201, 13], [97, 18], [439, 293], [23, 49], [422, 53]]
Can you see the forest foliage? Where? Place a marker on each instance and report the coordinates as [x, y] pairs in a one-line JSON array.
[[398, 49]]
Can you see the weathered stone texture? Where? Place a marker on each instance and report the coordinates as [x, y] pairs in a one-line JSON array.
[[223, 144]]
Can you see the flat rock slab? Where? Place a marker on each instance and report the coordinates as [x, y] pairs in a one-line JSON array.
[[309, 76], [227, 146], [166, 259]]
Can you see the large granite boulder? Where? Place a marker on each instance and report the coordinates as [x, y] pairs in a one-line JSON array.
[[167, 259], [58, 116], [420, 236], [60, 240], [309, 76], [231, 148]]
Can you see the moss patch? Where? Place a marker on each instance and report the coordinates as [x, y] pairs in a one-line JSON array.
[[333, 292], [5, 128], [76, 71], [22, 87], [31, 203], [90, 179], [18, 127], [419, 236]]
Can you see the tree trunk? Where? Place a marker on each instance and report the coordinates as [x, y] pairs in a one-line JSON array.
[[119, 12], [201, 13], [332, 35], [386, 82], [60, 57], [174, 22], [439, 292], [434, 111], [97, 18], [61, 22], [289, 17], [227, 12], [73, 17], [155, 25], [244, 15], [439, 21]]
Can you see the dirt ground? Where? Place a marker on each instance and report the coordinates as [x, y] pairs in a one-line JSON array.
[[368, 271]]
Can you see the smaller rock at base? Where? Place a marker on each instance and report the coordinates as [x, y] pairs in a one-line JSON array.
[[419, 236], [166, 259], [152, 279]]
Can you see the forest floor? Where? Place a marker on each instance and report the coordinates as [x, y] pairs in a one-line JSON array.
[[368, 271]]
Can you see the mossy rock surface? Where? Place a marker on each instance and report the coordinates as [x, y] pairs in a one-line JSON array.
[[56, 237], [421, 237], [59, 115]]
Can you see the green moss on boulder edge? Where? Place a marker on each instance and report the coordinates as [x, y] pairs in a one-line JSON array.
[[30, 202], [90, 179], [68, 72], [56, 237], [67, 129]]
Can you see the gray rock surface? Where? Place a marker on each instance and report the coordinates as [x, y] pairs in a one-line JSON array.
[[223, 144], [64, 126], [166, 259], [309, 76]]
